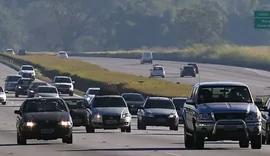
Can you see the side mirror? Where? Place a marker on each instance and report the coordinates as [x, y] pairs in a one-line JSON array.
[[73, 81], [17, 112], [6, 91], [263, 109], [258, 102], [190, 102]]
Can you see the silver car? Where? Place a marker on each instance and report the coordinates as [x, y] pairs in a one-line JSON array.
[[110, 112]]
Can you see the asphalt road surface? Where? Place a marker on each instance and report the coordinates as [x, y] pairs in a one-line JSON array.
[[257, 80], [157, 141]]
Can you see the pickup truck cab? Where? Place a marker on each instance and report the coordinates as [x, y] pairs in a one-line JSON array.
[[222, 111]]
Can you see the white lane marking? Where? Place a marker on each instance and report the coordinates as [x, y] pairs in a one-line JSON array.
[[173, 154], [254, 70]]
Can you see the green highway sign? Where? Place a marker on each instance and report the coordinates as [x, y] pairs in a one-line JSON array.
[[262, 19], [265, 14]]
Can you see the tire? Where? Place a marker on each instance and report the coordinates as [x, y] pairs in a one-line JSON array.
[[198, 141], [4, 103], [244, 143], [123, 130], [174, 127], [68, 140], [89, 129], [256, 141], [16, 95], [70, 93], [188, 139], [128, 130], [140, 126], [21, 140]]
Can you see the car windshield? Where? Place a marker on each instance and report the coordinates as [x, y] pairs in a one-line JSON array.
[[179, 103], [13, 78], [163, 104], [24, 82], [36, 85], [44, 105], [27, 68], [62, 80], [224, 94], [47, 90], [109, 102], [93, 91], [76, 103], [133, 97]]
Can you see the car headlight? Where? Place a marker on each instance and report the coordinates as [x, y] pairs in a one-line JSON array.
[[31, 91], [205, 116], [148, 114], [30, 124], [253, 116], [65, 123], [97, 116], [173, 115], [126, 115], [19, 87]]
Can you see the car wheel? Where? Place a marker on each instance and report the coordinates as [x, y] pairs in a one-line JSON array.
[[123, 130], [90, 129], [128, 130], [21, 140], [4, 103], [68, 140], [244, 143], [16, 95], [256, 141], [188, 139], [198, 141], [71, 94], [140, 125], [267, 140], [174, 127]]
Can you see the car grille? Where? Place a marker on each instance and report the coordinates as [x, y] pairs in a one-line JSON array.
[[221, 116], [63, 86], [161, 116], [47, 124]]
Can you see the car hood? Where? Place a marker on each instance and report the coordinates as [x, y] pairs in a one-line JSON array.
[[110, 110], [51, 116], [63, 84], [228, 107], [27, 71], [48, 94], [160, 111], [135, 102]]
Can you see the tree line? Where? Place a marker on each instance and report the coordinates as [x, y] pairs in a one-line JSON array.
[[97, 25]]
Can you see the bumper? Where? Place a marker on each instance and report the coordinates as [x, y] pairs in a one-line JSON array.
[[152, 121], [228, 129], [45, 134], [123, 123], [3, 99], [21, 91]]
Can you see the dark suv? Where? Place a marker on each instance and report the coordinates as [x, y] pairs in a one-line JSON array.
[[195, 66], [22, 86], [222, 111], [188, 70]]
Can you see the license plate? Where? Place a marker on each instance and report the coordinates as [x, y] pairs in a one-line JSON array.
[[161, 120], [77, 120], [47, 131], [111, 121]]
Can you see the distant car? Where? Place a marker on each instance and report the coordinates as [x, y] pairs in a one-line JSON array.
[[47, 91], [3, 96], [110, 112], [179, 103], [22, 52], [147, 57], [22, 86], [157, 70], [33, 88], [158, 111], [63, 54], [195, 66], [79, 111], [188, 70], [11, 82], [10, 51], [27, 71], [91, 93], [44, 119], [134, 101], [64, 84]]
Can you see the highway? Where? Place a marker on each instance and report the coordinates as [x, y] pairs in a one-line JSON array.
[[151, 142], [257, 80]]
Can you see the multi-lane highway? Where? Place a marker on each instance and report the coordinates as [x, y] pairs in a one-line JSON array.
[[258, 80], [151, 142]]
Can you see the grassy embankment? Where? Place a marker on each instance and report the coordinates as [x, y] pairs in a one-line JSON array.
[[89, 74]]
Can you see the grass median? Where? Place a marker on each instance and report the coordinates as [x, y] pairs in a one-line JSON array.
[[95, 73]]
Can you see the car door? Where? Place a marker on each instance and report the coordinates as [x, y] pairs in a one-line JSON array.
[[265, 115]]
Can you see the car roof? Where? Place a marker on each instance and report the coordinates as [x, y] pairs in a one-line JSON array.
[[62, 76], [108, 96], [73, 98], [179, 98], [24, 78], [222, 83], [46, 86], [26, 65], [158, 98], [188, 66], [94, 88], [191, 63]]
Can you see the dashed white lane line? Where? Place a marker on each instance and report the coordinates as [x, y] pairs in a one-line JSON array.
[[255, 71], [173, 154]]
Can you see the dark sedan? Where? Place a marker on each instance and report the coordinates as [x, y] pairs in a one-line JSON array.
[[43, 119], [134, 101], [80, 111], [31, 91], [158, 111], [22, 86]]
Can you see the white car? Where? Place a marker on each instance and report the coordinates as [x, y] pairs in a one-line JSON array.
[[91, 93], [3, 96], [10, 51], [157, 70], [63, 54], [27, 71], [147, 57]]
